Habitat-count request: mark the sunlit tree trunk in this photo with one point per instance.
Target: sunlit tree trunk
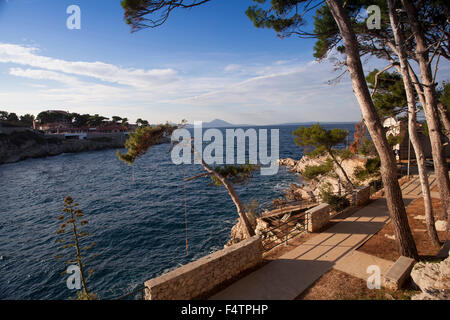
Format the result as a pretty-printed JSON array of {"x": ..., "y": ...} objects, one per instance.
[
  {"x": 405, "y": 241},
  {"x": 335, "y": 160},
  {"x": 234, "y": 196},
  {"x": 412, "y": 125},
  {"x": 430, "y": 109},
  {"x": 445, "y": 119},
  {"x": 232, "y": 193}
]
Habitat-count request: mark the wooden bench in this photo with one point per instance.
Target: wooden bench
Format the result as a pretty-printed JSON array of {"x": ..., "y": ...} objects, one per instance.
[{"x": 398, "y": 273}]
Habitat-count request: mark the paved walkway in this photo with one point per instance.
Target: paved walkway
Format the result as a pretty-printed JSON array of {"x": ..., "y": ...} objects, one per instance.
[
  {"x": 356, "y": 263},
  {"x": 292, "y": 273},
  {"x": 288, "y": 276},
  {"x": 412, "y": 188}
]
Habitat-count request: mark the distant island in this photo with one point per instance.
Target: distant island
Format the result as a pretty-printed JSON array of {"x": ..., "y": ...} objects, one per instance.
[{"x": 219, "y": 123}]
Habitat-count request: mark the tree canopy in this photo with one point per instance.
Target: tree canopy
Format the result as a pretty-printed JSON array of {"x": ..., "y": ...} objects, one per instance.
[
  {"x": 444, "y": 95},
  {"x": 13, "y": 119},
  {"x": 390, "y": 96},
  {"x": 137, "y": 11},
  {"x": 142, "y": 139},
  {"x": 323, "y": 141},
  {"x": 53, "y": 116},
  {"x": 318, "y": 137}
]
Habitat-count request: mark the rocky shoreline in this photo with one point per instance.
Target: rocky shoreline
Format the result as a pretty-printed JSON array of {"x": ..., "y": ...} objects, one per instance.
[
  {"x": 311, "y": 189},
  {"x": 308, "y": 190},
  {"x": 19, "y": 146}
]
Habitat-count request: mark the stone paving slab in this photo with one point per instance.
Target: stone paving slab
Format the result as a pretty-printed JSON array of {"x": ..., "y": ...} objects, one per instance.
[
  {"x": 357, "y": 262},
  {"x": 412, "y": 189},
  {"x": 435, "y": 194}
]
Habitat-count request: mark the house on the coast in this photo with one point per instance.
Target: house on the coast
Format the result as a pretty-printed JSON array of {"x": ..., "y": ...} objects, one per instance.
[{"x": 404, "y": 150}]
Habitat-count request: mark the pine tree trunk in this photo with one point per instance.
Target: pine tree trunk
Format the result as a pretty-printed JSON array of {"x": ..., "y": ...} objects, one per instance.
[
  {"x": 234, "y": 196},
  {"x": 330, "y": 152},
  {"x": 412, "y": 125},
  {"x": 405, "y": 241},
  {"x": 445, "y": 119},
  {"x": 430, "y": 109}
]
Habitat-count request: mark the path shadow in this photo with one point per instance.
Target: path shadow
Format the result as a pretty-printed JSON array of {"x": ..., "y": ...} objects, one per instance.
[{"x": 281, "y": 279}]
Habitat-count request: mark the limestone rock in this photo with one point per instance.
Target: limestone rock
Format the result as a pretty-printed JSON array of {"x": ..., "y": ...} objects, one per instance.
[
  {"x": 238, "y": 230},
  {"x": 441, "y": 225},
  {"x": 433, "y": 279},
  {"x": 427, "y": 296},
  {"x": 237, "y": 234},
  {"x": 261, "y": 226},
  {"x": 312, "y": 189},
  {"x": 391, "y": 237}
]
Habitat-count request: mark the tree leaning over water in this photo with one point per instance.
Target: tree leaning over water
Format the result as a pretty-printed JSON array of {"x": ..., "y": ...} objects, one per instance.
[{"x": 145, "y": 137}]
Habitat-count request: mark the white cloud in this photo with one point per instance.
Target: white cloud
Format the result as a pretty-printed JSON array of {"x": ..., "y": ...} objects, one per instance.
[
  {"x": 11, "y": 53},
  {"x": 274, "y": 92},
  {"x": 232, "y": 67},
  {"x": 42, "y": 75}
]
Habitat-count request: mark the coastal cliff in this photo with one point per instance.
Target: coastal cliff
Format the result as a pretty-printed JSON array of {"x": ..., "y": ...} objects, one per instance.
[
  {"x": 354, "y": 166},
  {"x": 19, "y": 146}
]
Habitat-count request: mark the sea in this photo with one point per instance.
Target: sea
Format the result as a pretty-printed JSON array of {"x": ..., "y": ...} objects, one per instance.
[{"x": 140, "y": 228}]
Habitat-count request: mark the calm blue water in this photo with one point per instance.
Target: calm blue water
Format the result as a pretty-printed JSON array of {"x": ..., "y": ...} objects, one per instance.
[{"x": 139, "y": 228}]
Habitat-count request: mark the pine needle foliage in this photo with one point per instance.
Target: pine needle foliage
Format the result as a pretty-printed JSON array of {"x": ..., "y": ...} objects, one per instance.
[
  {"x": 317, "y": 136},
  {"x": 323, "y": 141},
  {"x": 142, "y": 139},
  {"x": 237, "y": 174}
]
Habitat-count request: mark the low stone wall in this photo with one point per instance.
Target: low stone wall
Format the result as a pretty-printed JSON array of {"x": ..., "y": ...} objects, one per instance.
[
  {"x": 318, "y": 217},
  {"x": 199, "y": 277},
  {"x": 361, "y": 196}
]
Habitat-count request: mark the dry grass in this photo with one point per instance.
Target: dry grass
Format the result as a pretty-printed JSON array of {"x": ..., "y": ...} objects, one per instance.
[
  {"x": 382, "y": 246},
  {"x": 337, "y": 285}
]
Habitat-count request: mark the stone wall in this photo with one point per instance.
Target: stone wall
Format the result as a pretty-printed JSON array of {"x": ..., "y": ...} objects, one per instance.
[
  {"x": 318, "y": 217},
  {"x": 201, "y": 276},
  {"x": 361, "y": 196}
]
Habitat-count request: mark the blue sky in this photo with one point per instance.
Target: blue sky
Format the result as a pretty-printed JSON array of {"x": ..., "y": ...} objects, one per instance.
[{"x": 205, "y": 63}]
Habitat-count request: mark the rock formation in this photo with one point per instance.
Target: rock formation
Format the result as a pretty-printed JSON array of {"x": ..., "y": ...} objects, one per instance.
[
  {"x": 23, "y": 145},
  {"x": 311, "y": 188},
  {"x": 433, "y": 279}
]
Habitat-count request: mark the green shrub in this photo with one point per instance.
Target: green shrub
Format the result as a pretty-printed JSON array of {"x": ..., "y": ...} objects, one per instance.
[
  {"x": 394, "y": 140},
  {"x": 360, "y": 173},
  {"x": 373, "y": 165},
  {"x": 372, "y": 168},
  {"x": 336, "y": 202},
  {"x": 311, "y": 172},
  {"x": 367, "y": 148}
]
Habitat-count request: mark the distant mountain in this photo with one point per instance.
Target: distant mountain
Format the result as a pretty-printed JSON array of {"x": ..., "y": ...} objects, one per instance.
[{"x": 218, "y": 123}]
